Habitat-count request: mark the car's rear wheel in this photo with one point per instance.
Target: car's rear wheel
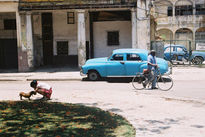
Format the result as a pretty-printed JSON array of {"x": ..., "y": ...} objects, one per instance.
[
  {"x": 93, "y": 75},
  {"x": 197, "y": 60}
]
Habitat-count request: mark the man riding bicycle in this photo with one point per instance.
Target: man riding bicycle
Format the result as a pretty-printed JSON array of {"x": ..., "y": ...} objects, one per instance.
[{"x": 152, "y": 70}]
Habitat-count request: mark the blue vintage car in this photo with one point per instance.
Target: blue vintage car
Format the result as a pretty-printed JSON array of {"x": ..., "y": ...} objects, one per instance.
[
  {"x": 180, "y": 53},
  {"x": 122, "y": 62}
]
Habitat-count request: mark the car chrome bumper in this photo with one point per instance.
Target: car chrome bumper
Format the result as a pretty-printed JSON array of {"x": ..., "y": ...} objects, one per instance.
[
  {"x": 169, "y": 71},
  {"x": 81, "y": 72}
]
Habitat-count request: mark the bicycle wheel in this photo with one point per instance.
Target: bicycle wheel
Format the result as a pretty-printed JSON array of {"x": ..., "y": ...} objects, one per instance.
[
  {"x": 137, "y": 82},
  {"x": 165, "y": 82}
]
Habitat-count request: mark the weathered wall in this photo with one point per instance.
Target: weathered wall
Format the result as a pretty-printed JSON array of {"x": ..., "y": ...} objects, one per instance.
[
  {"x": 174, "y": 23},
  {"x": 100, "y": 36},
  {"x": 37, "y": 39},
  {"x": 143, "y": 24},
  {"x": 8, "y": 6},
  {"x": 7, "y": 33},
  {"x": 63, "y": 31},
  {"x": 68, "y": 32}
]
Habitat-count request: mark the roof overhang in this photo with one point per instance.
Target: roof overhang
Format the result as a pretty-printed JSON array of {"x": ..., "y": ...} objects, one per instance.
[{"x": 26, "y": 5}]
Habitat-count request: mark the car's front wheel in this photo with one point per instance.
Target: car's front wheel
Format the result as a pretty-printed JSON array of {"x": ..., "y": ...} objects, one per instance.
[
  {"x": 197, "y": 60},
  {"x": 93, "y": 75}
]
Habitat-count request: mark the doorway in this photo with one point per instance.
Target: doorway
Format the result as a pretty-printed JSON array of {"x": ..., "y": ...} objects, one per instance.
[
  {"x": 47, "y": 38},
  {"x": 8, "y": 54}
]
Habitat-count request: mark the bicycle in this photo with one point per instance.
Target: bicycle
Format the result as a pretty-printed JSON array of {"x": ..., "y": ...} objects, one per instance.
[{"x": 164, "y": 82}]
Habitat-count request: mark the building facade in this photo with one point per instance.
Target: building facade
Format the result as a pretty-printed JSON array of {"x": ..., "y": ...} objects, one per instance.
[
  {"x": 181, "y": 20},
  {"x": 8, "y": 34},
  {"x": 67, "y": 32}
]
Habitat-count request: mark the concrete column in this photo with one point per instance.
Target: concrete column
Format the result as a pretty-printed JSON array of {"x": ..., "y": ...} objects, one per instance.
[
  {"x": 22, "y": 53},
  {"x": 173, "y": 11},
  {"x": 134, "y": 28},
  {"x": 24, "y": 42},
  {"x": 143, "y": 25},
  {"x": 18, "y": 29},
  {"x": 194, "y": 7},
  {"x": 29, "y": 40},
  {"x": 81, "y": 38}
]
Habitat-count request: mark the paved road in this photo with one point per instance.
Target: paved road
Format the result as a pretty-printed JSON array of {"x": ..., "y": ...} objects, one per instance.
[
  {"x": 177, "y": 113},
  {"x": 152, "y": 113}
]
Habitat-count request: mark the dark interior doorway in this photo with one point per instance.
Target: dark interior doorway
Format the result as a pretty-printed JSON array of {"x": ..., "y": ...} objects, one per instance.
[
  {"x": 8, "y": 54},
  {"x": 47, "y": 36}
]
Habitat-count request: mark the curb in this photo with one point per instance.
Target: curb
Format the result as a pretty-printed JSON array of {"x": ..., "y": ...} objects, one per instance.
[
  {"x": 39, "y": 79},
  {"x": 11, "y": 80}
]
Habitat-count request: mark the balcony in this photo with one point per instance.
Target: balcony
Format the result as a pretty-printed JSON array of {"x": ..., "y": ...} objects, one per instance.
[
  {"x": 74, "y": 4},
  {"x": 181, "y": 21}
]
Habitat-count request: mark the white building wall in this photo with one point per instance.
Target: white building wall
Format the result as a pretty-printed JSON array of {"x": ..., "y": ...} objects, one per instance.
[
  {"x": 64, "y": 32},
  {"x": 67, "y": 32},
  {"x": 100, "y": 29}
]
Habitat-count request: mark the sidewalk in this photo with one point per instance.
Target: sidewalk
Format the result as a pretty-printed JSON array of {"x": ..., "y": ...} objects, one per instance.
[
  {"x": 73, "y": 74},
  {"x": 44, "y": 74}
]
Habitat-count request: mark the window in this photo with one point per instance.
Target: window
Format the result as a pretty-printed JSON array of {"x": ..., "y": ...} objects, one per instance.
[
  {"x": 184, "y": 10},
  {"x": 62, "y": 48},
  {"x": 167, "y": 50},
  {"x": 133, "y": 57},
  {"x": 117, "y": 57},
  {"x": 10, "y": 24},
  {"x": 70, "y": 18},
  {"x": 200, "y": 9},
  {"x": 179, "y": 49},
  {"x": 113, "y": 38},
  {"x": 169, "y": 11}
]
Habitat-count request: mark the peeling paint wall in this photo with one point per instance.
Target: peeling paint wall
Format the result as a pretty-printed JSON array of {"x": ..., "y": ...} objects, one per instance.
[
  {"x": 37, "y": 39},
  {"x": 143, "y": 24},
  {"x": 6, "y": 33},
  {"x": 174, "y": 23},
  {"x": 64, "y": 32},
  {"x": 8, "y": 6}
]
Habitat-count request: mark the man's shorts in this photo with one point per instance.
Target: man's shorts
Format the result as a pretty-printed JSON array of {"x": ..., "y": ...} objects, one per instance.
[{"x": 47, "y": 93}]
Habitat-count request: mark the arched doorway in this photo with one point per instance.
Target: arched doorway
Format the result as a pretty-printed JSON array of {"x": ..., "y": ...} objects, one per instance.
[
  {"x": 184, "y": 36},
  {"x": 183, "y": 7},
  {"x": 200, "y": 34},
  {"x": 163, "y": 8},
  {"x": 165, "y": 34}
]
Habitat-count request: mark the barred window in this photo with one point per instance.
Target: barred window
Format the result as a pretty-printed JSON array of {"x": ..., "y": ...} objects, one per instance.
[
  {"x": 169, "y": 11},
  {"x": 70, "y": 18},
  {"x": 184, "y": 10},
  {"x": 113, "y": 38},
  {"x": 200, "y": 9},
  {"x": 62, "y": 48}
]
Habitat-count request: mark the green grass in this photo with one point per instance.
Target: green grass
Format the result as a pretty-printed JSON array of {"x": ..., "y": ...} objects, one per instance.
[{"x": 36, "y": 119}]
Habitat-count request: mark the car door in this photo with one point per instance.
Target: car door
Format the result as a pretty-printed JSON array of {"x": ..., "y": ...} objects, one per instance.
[
  {"x": 169, "y": 52},
  {"x": 116, "y": 65},
  {"x": 132, "y": 64},
  {"x": 180, "y": 53}
]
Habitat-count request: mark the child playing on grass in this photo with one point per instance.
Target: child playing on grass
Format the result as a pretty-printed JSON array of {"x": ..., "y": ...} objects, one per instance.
[{"x": 42, "y": 88}]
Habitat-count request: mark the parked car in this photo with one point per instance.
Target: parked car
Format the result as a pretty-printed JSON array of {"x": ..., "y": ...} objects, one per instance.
[
  {"x": 122, "y": 63},
  {"x": 180, "y": 53}
]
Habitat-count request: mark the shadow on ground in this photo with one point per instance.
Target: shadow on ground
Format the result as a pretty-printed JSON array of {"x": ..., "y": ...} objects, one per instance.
[
  {"x": 23, "y": 118},
  {"x": 113, "y": 80}
]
